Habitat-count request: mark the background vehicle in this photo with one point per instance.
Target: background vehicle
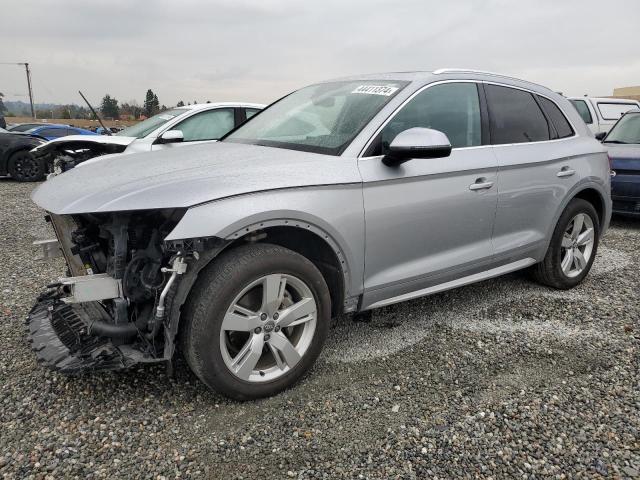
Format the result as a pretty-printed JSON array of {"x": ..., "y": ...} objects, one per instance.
[
  {"x": 623, "y": 145},
  {"x": 23, "y": 127},
  {"x": 51, "y": 132},
  {"x": 601, "y": 113},
  {"x": 16, "y": 159},
  {"x": 343, "y": 196},
  {"x": 186, "y": 125}
]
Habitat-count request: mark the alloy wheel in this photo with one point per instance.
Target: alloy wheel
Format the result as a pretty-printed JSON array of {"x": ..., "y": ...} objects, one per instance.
[
  {"x": 577, "y": 245},
  {"x": 268, "y": 328}
]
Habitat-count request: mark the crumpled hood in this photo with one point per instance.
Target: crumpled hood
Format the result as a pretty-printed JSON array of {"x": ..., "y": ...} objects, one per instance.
[
  {"x": 186, "y": 176},
  {"x": 75, "y": 139}
]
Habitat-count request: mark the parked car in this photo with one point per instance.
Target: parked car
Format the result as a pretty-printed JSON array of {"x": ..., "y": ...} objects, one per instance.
[
  {"x": 23, "y": 127},
  {"x": 186, "y": 125},
  {"x": 601, "y": 113},
  {"x": 51, "y": 132},
  {"x": 343, "y": 196},
  {"x": 16, "y": 159},
  {"x": 623, "y": 145}
]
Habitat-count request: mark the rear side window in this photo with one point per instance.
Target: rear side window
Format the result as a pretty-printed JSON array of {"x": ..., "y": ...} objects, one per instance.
[
  {"x": 559, "y": 121},
  {"x": 583, "y": 110},
  {"x": 613, "y": 111},
  {"x": 515, "y": 116}
]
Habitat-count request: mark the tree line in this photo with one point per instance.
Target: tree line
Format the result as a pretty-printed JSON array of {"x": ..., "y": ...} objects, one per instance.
[{"x": 109, "y": 107}]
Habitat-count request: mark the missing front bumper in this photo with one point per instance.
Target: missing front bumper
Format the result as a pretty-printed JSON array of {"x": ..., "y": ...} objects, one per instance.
[{"x": 58, "y": 335}]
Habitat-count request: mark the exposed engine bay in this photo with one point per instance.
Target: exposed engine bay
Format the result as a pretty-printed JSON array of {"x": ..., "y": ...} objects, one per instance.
[
  {"x": 114, "y": 307},
  {"x": 58, "y": 157}
]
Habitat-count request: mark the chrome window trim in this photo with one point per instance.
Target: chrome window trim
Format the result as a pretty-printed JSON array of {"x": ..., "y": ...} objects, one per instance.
[{"x": 486, "y": 82}]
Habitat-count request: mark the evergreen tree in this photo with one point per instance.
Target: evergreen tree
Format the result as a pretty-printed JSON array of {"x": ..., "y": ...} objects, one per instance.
[
  {"x": 109, "y": 107},
  {"x": 151, "y": 103}
]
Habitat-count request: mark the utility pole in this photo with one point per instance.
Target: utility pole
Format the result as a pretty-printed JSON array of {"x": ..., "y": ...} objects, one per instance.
[
  {"x": 33, "y": 112},
  {"x": 26, "y": 66}
]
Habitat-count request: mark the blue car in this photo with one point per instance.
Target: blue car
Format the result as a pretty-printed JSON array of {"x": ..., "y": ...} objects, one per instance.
[
  {"x": 623, "y": 145},
  {"x": 56, "y": 131}
]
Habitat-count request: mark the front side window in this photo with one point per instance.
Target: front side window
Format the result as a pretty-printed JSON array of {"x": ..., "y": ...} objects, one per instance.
[
  {"x": 144, "y": 128},
  {"x": 452, "y": 108},
  {"x": 613, "y": 111},
  {"x": 627, "y": 130},
  {"x": 323, "y": 118},
  {"x": 559, "y": 121},
  {"x": 583, "y": 110},
  {"x": 515, "y": 116},
  {"x": 209, "y": 125}
]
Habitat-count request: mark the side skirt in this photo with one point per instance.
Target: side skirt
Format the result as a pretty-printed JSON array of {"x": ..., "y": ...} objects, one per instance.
[{"x": 459, "y": 282}]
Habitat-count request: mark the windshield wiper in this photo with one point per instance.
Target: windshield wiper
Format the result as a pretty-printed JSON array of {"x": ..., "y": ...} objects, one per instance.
[{"x": 616, "y": 141}]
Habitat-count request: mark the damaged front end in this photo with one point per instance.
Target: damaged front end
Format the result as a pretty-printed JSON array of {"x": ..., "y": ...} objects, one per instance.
[
  {"x": 114, "y": 307},
  {"x": 65, "y": 153}
]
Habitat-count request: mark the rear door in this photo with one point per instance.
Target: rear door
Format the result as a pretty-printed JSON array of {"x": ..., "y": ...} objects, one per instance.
[
  {"x": 536, "y": 168},
  {"x": 429, "y": 221}
]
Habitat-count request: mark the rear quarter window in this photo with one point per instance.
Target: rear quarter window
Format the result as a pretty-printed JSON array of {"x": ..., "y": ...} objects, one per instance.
[{"x": 559, "y": 121}]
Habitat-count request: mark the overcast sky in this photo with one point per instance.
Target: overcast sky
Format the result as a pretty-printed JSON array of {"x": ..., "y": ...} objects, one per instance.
[{"x": 259, "y": 50}]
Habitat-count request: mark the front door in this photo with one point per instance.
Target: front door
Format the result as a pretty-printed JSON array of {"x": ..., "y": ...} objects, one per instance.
[{"x": 429, "y": 221}]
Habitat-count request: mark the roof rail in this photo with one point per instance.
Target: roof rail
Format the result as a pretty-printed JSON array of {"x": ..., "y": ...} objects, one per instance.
[{"x": 481, "y": 72}]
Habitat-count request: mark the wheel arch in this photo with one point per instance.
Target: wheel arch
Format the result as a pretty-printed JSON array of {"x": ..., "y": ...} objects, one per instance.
[
  {"x": 308, "y": 240},
  {"x": 593, "y": 193}
]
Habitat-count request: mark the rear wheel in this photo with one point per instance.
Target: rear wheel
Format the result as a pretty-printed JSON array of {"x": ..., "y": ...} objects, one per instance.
[
  {"x": 573, "y": 247},
  {"x": 24, "y": 167},
  {"x": 256, "y": 321}
]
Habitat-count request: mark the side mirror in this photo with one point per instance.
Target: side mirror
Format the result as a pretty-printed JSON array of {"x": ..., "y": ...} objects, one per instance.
[
  {"x": 171, "y": 136},
  {"x": 417, "y": 143},
  {"x": 600, "y": 136}
]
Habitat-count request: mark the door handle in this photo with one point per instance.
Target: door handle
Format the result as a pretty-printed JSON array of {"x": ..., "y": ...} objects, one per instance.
[
  {"x": 481, "y": 184},
  {"x": 565, "y": 172}
]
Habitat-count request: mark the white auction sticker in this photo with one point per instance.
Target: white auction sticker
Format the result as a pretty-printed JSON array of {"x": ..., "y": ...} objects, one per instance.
[{"x": 376, "y": 90}]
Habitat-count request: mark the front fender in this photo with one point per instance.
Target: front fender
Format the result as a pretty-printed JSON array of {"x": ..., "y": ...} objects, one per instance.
[{"x": 334, "y": 213}]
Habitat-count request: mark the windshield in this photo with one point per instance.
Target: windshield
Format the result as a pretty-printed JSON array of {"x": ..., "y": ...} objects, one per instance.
[
  {"x": 144, "y": 128},
  {"x": 322, "y": 118},
  {"x": 627, "y": 130}
]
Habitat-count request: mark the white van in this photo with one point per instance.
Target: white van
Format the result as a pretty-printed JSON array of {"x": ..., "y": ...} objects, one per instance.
[{"x": 601, "y": 113}]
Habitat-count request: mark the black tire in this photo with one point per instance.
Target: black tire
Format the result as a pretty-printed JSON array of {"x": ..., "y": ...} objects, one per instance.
[
  {"x": 215, "y": 290},
  {"x": 549, "y": 271},
  {"x": 24, "y": 167}
]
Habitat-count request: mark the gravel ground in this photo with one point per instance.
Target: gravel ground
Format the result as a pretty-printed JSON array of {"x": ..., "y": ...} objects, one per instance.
[{"x": 500, "y": 379}]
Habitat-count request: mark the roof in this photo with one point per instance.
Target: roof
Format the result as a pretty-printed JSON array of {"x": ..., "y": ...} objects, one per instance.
[
  {"x": 424, "y": 77},
  {"x": 206, "y": 106}
]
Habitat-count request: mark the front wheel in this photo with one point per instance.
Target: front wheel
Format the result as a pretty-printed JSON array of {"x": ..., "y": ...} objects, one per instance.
[
  {"x": 573, "y": 247},
  {"x": 24, "y": 167},
  {"x": 256, "y": 321}
]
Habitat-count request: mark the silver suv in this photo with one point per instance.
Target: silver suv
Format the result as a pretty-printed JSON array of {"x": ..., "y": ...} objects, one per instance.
[{"x": 343, "y": 196}]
